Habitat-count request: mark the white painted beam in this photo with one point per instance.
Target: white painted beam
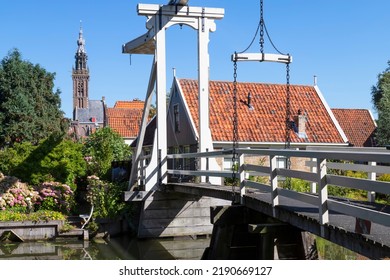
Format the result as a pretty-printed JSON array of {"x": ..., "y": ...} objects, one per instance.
[
  {"x": 144, "y": 44},
  {"x": 142, "y": 129},
  {"x": 180, "y": 11},
  {"x": 261, "y": 57}
]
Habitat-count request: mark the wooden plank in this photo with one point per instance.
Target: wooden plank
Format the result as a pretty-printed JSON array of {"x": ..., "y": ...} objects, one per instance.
[
  {"x": 354, "y": 167},
  {"x": 354, "y": 156},
  {"x": 180, "y": 11},
  {"x": 349, "y": 149},
  {"x": 259, "y": 186},
  {"x": 307, "y": 176},
  {"x": 221, "y": 153},
  {"x": 303, "y": 197},
  {"x": 257, "y": 168},
  {"x": 359, "y": 212},
  {"x": 212, "y": 173},
  {"x": 361, "y": 184}
]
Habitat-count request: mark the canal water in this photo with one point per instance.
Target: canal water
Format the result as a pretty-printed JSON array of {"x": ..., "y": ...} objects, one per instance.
[
  {"x": 118, "y": 248},
  {"x": 128, "y": 248}
]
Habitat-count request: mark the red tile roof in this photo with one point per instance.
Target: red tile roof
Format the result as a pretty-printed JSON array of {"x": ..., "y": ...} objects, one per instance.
[
  {"x": 135, "y": 104},
  {"x": 266, "y": 122},
  {"x": 125, "y": 121},
  {"x": 358, "y": 125}
]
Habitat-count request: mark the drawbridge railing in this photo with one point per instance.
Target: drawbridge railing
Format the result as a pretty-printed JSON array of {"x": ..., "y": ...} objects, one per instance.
[{"x": 320, "y": 168}]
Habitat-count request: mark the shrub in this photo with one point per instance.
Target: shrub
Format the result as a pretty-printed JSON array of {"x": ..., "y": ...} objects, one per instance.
[
  {"x": 43, "y": 215},
  {"x": 55, "y": 196},
  {"x": 15, "y": 194},
  {"x": 105, "y": 197},
  {"x": 54, "y": 159},
  {"x": 101, "y": 149}
]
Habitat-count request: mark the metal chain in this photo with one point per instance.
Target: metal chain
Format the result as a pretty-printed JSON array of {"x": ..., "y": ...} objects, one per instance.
[
  {"x": 288, "y": 123},
  {"x": 288, "y": 109},
  {"x": 261, "y": 26},
  {"x": 235, "y": 131}
]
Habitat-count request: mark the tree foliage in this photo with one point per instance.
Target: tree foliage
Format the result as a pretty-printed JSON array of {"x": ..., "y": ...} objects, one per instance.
[
  {"x": 103, "y": 147},
  {"x": 29, "y": 109},
  {"x": 381, "y": 99},
  {"x": 54, "y": 159}
]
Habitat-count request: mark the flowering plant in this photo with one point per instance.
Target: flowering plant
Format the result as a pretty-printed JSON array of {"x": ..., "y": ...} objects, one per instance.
[
  {"x": 14, "y": 193},
  {"x": 55, "y": 196}
]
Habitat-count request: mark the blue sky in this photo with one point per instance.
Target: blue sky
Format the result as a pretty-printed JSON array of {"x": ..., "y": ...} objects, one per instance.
[{"x": 346, "y": 44}]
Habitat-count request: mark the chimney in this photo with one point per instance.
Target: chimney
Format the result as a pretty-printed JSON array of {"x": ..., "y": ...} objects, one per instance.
[
  {"x": 315, "y": 80},
  {"x": 301, "y": 121},
  {"x": 249, "y": 101}
]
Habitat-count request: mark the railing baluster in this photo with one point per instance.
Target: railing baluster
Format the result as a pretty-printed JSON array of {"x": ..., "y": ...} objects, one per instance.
[
  {"x": 322, "y": 191},
  {"x": 371, "y": 176},
  {"x": 313, "y": 185},
  {"x": 241, "y": 176},
  {"x": 274, "y": 180}
]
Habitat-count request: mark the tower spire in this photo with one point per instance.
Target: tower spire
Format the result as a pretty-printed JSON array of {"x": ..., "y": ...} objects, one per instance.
[
  {"x": 81, "y": 41},
  {"x": 81, "y": 54},
  {"x": 80, "y": 74}
]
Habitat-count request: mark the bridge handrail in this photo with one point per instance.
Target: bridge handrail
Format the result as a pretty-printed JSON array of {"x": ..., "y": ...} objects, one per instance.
[
  {"x": 318, "y": 175},
  {"x": 379, "y": 156}
]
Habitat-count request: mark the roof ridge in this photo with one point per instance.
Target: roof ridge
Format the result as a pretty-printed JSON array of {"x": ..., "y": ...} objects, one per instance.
[{"x": 245, "y": 82}]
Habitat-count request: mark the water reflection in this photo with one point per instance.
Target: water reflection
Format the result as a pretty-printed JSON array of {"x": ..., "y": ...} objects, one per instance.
[{"x": 119, "y": 248}]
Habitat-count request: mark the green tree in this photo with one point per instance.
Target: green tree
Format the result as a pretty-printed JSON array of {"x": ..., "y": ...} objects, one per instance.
[
  {"x": 29, "y": 109},
  {"x": 381, "y": 99},
  {"x": 103, "y": 147},
  {"x": 53, "y": 159}
]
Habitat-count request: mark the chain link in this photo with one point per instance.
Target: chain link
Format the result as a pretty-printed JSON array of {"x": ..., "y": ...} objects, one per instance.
[
  {"x": 288, "y": 122},
  {"x": 288, "y": 108},
  {"x": 235, "y": 132},
  {"x": 261, "y": 27}
]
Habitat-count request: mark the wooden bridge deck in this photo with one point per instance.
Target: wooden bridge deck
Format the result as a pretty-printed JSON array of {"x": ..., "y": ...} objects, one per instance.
[{"x": 341, "y": 228}]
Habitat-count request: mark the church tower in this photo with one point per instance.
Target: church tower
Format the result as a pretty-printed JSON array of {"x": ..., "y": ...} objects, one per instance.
[{"x": 80, "y": 75}]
